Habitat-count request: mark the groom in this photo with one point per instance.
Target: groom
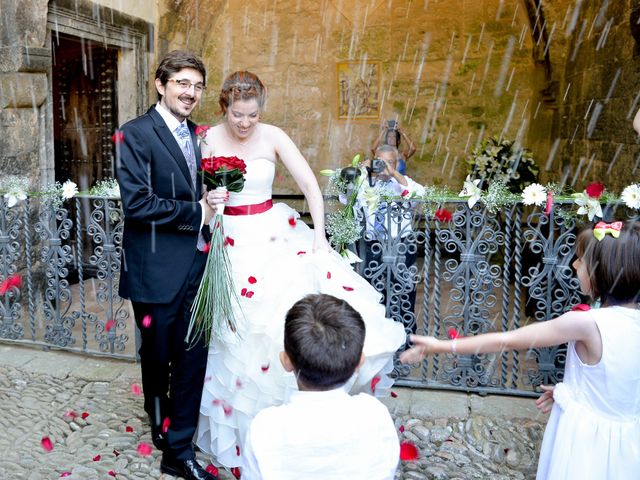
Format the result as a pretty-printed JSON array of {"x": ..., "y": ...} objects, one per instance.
[{"x": 162, "y": 261}]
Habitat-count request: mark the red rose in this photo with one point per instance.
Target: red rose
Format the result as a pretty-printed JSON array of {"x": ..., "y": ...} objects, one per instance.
[
  {"x": 595, "y": 189},
  {"x": 201, "y": 130},
  {"x": 443, "y": 215}
]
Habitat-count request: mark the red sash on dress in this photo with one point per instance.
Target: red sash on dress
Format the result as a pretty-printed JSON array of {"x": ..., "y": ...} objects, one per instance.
[{"x": 248, "y": 209}]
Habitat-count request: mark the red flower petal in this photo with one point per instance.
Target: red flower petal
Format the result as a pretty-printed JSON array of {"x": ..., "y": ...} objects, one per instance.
[
  {"x": 581, "y": 307},
  {"x": 252, "y": 280},
  {"x": 71, "y": 414},
  {"x": 144, "y": 449},
  {"x": 443, "y": 215},
  {"x": 128, "y": 429},
  {"x": 229, "y": 241},
  {"x": 292, "y": 221},
  {"x": 207, "y": 247},
  {"x": 249, "y": 294},
  {"x": 135, "y": 389},
  {"x": 301, "y": 252},
  {"x": 46, "y": 444},
  {"x": 117, "y": 137},
  {"x": 265, "y": 368},
  {"x": 328, "y": 275},
  {"x": 549, "y": 205},
  {"x": 227, "y": 409},
  {"x": 237, "y": 450},
  {"x": 348, "y": 289},
  {"x": 238, "y": 383},
  {"x": 116, "y": 453},
  {"x": 408, "y": 451},
  {"x": 243, "y": 292},
  {"x": 405, "y": 193},
  {"x": 109, "y": 325},
  {"x": 97, "y": 458},
  {"x": 14, "y": 280},
  {"x": 84, "y": 415},
  {"x": 111, "y": 473},
  {"x": 453, "y": 333},
  {"x": 374, "y": 382},
  {"x": 65, "y": 474},
  {"x": 401, "y": 429},
  {"x": 165, "y": 425},
  {"x": 146, "y": 321},
  {"x": 212, "y": 470},
  {"x": 236, "y": 472},
  {"x": 595, "y": 189},
  {"x": 393, "y": 394}
]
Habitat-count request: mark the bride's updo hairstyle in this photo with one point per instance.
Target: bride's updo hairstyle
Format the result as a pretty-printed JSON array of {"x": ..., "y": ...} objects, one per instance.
[{"x": 241, "y": 86}]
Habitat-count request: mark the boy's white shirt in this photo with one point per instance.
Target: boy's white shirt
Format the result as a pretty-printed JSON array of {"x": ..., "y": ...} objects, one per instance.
[{"x": 322, "y": 435}]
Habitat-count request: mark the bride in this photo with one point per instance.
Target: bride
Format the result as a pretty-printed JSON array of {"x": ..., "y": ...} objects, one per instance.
[{"x": 276, "y": 260}]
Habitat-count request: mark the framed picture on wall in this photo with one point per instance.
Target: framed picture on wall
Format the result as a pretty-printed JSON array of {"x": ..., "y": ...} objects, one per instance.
[{"x": 358, "y": 87}]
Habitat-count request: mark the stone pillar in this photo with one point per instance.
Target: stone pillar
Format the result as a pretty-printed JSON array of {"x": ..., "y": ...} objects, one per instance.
[{"x": 25, "y": 60}]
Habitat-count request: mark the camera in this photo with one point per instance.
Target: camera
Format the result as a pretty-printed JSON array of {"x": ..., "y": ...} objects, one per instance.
[
  {"x": 378, "y": 166},
  {"x": 392, "y": 125}
]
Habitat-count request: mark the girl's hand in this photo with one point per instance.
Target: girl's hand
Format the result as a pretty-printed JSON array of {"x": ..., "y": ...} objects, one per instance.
[
  {"x": 422, "y": 346},
  {"x": 545, "y": 401}
]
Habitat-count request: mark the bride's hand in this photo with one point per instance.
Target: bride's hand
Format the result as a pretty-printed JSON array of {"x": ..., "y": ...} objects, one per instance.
[
  {"x": 320, "y": 244},
  {"x": 217, "y": 198}
]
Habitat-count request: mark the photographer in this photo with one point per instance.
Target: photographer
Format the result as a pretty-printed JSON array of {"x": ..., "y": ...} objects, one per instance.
[
  {"x": 391, "y": 134},
  {"x": 389, "y": 237}
]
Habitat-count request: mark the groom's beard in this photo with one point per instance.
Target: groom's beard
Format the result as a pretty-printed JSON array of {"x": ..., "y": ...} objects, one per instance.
[{"x": 183, "y": 107}]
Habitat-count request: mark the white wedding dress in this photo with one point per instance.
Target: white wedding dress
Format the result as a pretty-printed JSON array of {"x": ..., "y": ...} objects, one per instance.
[{"x": 274, "y": 266}]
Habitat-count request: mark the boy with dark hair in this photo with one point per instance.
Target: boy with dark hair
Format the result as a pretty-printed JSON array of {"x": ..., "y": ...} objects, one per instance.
[{"x": 322, "y": 432}]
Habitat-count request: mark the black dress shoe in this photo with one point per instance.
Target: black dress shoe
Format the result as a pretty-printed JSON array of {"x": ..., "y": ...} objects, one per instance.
[{"x": 187, "y": 469}]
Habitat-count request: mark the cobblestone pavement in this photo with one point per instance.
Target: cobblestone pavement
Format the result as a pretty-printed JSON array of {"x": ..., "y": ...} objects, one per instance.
[{"x": 95, "y": 423}]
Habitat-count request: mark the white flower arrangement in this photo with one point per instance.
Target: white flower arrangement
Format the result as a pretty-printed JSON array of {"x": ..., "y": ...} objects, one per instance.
[
  {"x": 69, "y": 190},
  {"x": 14, "y": 188},
  {"x": 471, "y": 190}
]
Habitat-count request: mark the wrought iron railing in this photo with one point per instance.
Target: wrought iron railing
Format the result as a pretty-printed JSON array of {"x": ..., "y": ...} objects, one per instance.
[{"x": 480, "y": 272}]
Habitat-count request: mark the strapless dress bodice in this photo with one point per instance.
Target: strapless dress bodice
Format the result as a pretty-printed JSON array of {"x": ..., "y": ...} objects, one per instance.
[{"x": 258, "y": 183}]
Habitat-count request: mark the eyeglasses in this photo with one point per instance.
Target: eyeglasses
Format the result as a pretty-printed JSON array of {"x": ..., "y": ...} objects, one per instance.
[{"x": 185, "y": 84}]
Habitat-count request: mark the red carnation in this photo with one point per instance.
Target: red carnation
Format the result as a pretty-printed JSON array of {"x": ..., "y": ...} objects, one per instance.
[
  {"x": 443, "y": 215},
  {"x": 595, "y": 190}
]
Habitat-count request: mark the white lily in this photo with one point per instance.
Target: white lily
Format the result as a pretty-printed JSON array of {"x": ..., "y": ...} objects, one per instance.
[
  {"x": 631, "y": 196},
  {"x": 69, "y": 190},
  {"x": 471, "y": 190},
  {"x": 13, "y": 196},
  {"x": 371, "y": 198},
  {"x": 534, "y": 194},
  {"x": 588, "y": 206}
]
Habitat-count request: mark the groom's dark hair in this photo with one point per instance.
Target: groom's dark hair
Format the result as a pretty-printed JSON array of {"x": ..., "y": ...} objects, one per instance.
[
  {"x": 175, "y": 61},
  {"x": 323, "y": 338}
]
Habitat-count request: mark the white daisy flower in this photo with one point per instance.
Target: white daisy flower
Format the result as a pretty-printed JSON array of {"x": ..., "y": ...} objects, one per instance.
[
  {"x": 631, "y": 196},
  {"x": 534, "y": 194},
  {"x": 69, "y": 190}
]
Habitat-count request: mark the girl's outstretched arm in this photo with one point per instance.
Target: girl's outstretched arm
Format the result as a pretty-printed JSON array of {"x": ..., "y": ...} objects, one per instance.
[{"x": 572, "y": 326}]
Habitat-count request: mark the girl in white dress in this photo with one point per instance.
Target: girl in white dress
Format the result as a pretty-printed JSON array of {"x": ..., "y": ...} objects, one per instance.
[
  {"x": 276, "y": 260},
  {"x": 593, "y": 432}
]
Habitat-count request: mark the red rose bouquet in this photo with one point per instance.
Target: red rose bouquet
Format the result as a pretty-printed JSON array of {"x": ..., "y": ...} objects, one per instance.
[{"x": 212, "y": 309}]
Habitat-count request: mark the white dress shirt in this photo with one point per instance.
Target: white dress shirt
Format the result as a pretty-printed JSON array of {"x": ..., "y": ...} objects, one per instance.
[{"x": 328, "y": 435}]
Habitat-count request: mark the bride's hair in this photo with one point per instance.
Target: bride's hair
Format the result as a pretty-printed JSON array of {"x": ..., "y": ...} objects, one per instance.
[{"x": 241, "y": 86}]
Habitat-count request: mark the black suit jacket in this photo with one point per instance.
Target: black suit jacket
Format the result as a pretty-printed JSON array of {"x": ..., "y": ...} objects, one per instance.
[{"x": 162, "y": 214}]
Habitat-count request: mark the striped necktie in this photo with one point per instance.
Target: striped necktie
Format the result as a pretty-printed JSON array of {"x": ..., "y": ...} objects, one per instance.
[{"x": 185, "y": 145}]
